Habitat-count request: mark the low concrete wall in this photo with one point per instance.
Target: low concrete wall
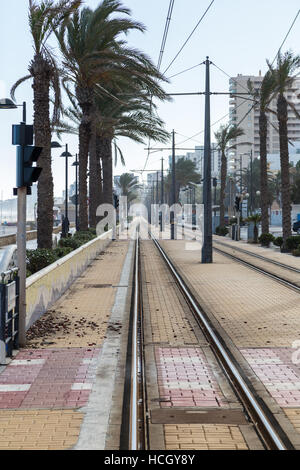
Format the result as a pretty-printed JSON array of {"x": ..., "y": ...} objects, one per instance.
[
  {"x": 8, "y": 240},
  {"x": 11, "y": 239},
  {"x": 49, "y": 284}
]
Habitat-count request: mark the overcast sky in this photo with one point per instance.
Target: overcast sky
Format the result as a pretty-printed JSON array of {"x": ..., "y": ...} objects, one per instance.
[{"x": 237, "y": 35}]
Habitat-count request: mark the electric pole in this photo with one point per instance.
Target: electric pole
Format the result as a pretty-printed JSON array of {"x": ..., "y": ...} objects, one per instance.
[
  {"x": 162, "y": 196},
  {"x": 173, "y": 191},
  {"x": 207, "y": 244}
]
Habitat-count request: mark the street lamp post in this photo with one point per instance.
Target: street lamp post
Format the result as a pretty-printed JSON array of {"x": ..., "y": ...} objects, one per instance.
[
  {"x": 250, "y": 154},
  {"x": 66, "y": 223}
]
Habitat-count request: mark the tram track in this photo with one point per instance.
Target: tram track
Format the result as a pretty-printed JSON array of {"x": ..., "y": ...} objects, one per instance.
[
  {"x": 266, "y": 272},
  {"x": 135, "y": 411},
  {"x": 256, "y": 255},
  {"x": 267, "y": 426},
  {"x": 251, "y": 265}
]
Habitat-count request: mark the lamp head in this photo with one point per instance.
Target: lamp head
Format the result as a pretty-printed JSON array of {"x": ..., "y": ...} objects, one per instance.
[
  {"x": 66, "y": 154},
  {"x": 6, "y": 103},
  {"x": 55, "y": 145}
]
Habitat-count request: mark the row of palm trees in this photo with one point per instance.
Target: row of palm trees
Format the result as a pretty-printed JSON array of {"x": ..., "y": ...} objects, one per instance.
[
  {"x": 110, "y": 89},
  {"x": 276, "y": 82}
]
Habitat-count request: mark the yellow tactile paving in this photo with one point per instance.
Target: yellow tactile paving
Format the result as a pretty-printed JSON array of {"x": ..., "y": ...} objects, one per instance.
[
  {"x": 254, "y": 310},
  {"x": 204, "y": 437},
  {"x": 294, "y": 416},
  {"x": 39, "y": 430},
  {"x": 168, "y": 311},
  {"x": 80, "y": 318}
]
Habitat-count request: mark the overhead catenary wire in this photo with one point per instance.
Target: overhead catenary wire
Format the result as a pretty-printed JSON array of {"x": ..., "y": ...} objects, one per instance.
[
  {"x": 189, "y": 37},
  {"x": 186, "y": 70},
  {"x": 286, "y": 36},
  {"x": 219, "y": 68},
  {"x": 162, "y": 50},
  {"x": 165, "y": 35}
]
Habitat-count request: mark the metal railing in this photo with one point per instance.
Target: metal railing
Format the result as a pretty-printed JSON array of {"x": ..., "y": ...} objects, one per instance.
[{"x": 9, "y": 314}]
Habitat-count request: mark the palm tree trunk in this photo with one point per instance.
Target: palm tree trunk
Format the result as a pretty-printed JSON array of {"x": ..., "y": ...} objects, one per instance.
[
  {"x": 85, "y": 102},
  {"x": 99, "y": 193},
  {"x": 223, "y": 187},
  {"x": 282, "y": 116},
  {"x": 263, "y": 173},
  {"x": 41, "y": 72},
  {"x": 107, "y": 163},
  {"x": 93, "y": 181}
]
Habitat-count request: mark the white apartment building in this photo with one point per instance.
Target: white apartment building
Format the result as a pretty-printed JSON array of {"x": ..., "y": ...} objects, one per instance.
[
  {"x": 242, "y": 113},
  {"x": 153, "y": 178},
  {"x": 215, "y": 159}
]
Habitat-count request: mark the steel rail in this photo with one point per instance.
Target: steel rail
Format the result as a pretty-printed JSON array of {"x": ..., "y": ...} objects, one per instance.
[
  {"x": 266, "y": 424},
  {"x": 133, "y": 420},
  {"x": 273, "y": 276},
  {"x": 256, "y": 255},
  {"x": 249, "y": 265}
]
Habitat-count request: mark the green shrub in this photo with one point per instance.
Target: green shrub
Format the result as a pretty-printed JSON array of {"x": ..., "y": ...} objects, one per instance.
[
  {"x": 39, "y": 259},
  {"x": 296, "y": 252},
  {"x": 278, "y": 241},
  {"x": 292, "y": 243},
  {"x": 83, "y": 236},
  {"x": 222, "y": 231},
  {"x": 62, "y": 251},
  {"x": 265, "y": 239},
  {"x": 70, "y": 243}
]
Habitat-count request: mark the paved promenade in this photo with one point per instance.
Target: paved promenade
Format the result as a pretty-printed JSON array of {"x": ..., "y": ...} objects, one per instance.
[
  {"x": 47, "y": 393},
  {"x": 260, "y": 320},
  {"x": 263, "y": 258}
]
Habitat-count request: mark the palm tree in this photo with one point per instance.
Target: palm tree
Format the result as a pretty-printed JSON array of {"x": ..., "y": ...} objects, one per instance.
[
  {"x": 44, "y": 18},
  {"x": 112, "y": 120},
  {"x": 284, "y": 75},
  {"x": 134, "y": 119},
  {"x": 224, "y": 136},
  {"x": 95, "y": 60},
  {"x": 186, "y": 172},
  {"x": 128, "y": 185},
  {"x": 263, "y": 96},
  {"x": 255, "y": 218}
]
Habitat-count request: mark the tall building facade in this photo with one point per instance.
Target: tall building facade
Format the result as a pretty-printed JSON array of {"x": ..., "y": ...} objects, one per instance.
[
  {"x": 198, "y": 158},
  {"x": 243, "y": 114}
]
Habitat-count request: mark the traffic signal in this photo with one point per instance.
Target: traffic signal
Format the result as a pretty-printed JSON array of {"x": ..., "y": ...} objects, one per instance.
[
  {"x": 27, "y": 174},
  {"x": 215, "y": 182},
  {"x": 237, "y": 203},
  {"x": 27, "y": 155},
  {"x": 116, "y": 201},
  {"x": 74, "y": 199}
]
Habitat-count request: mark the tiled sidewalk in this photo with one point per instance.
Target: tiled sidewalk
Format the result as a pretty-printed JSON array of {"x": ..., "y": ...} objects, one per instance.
[
  {"x": 44, "y": 390},
  {"x": 273, "y": 254},
  {"x": 186, "y": 379},
  {"x": 234, "y": 248}
]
